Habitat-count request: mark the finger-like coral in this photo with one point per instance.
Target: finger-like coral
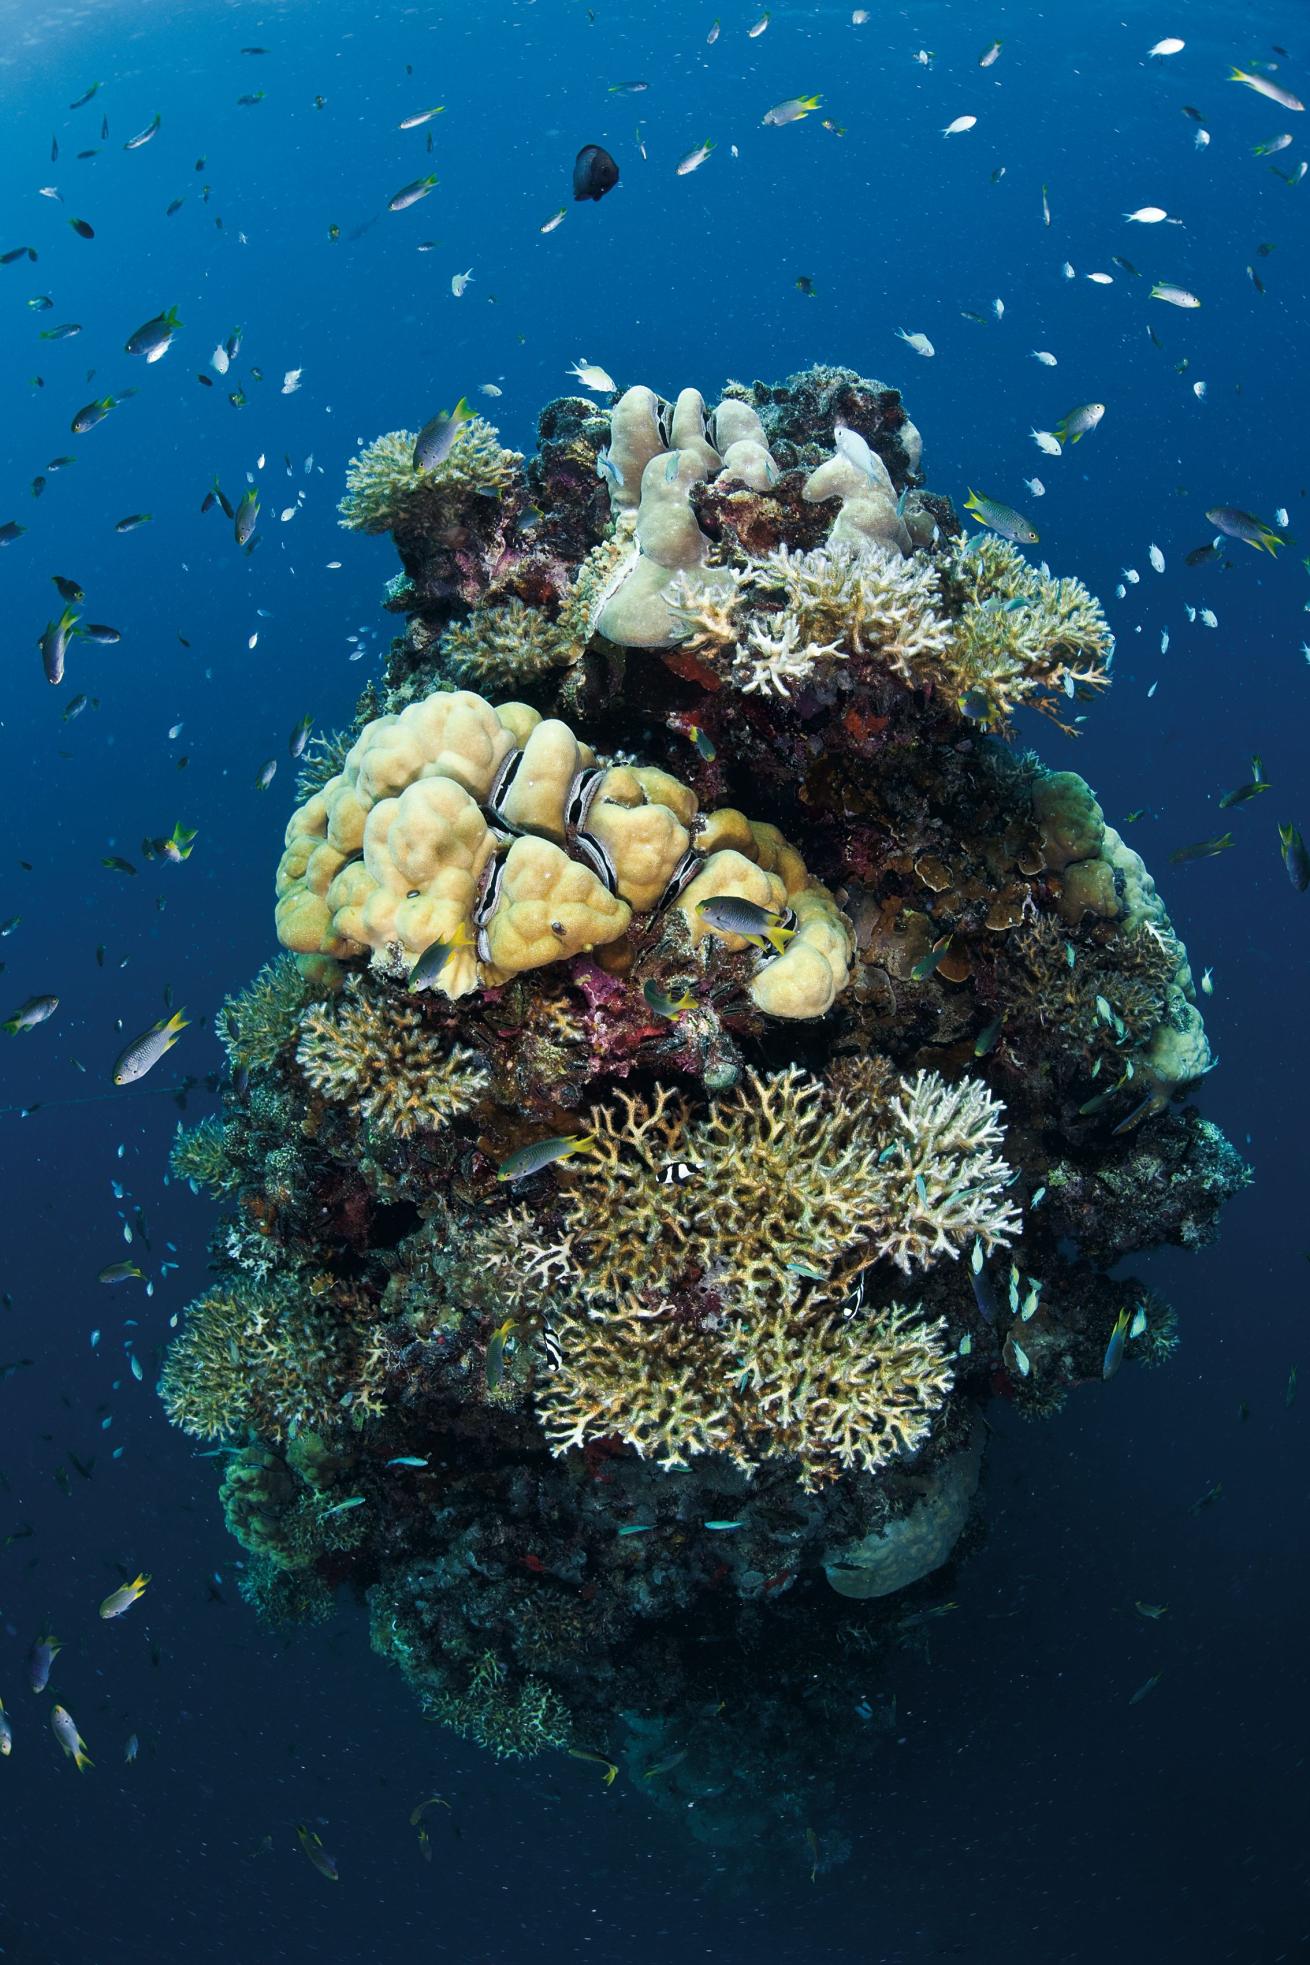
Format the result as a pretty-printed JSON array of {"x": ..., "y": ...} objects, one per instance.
[
  {"x": 795, "y": 1186},
  {"x": 872, "y": 602},
  {"x": 384, "y": 490},
  {"x": 822, "y": 1392},
  {"x": 378, "y": 1056},
  {"x": 773, "y": 660}
]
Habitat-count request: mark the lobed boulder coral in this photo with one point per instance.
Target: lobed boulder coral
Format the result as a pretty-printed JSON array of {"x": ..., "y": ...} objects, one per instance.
[{"x": 643, "y": 1280}]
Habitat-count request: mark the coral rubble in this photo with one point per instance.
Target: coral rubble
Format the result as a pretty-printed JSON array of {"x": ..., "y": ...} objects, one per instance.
[{"x": 790, "y": 1062}]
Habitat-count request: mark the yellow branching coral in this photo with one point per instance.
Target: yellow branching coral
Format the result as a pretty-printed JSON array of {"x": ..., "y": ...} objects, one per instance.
[
  {"x": 384, "y": 490},
  {"x": 199, "y": 1155},
  {"x": 508, "y": 644},
  {"x": 846, "y": 1394},
  {"x": 710, "y": 617},
  {"x": 661, "y": 1387},
  {"x": 795, "y": 1182},
  {"x": 872, "y": 602},
  {"x": 271, "y": 1359},
  {"x": 1022, "y": 636},
  {"x": 832, "y": 1394},
  {"x": 261, "y": 1022},
  {"x": 379, "y": 1056},
  {"x": 720, "y": 1308}
]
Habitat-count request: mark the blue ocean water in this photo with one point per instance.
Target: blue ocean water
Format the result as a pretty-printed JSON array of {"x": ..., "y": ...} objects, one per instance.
[{"x": 1022, "y": 1808}]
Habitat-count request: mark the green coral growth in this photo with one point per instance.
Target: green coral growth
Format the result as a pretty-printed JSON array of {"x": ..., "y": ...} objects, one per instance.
[
  {"x": 272, "y": 1359},
  {"x": 381, "y": 1058},
  {"x": 511, "y": 1723},
  {"x": 260, "y": 1023},
  {"x": 199, "y": 1156},
  {"x": 321, "y": 759},
  {"x": 384, "y": 491},
  {"x": 1023, "y": 637},
  {"x": 507, "y": 645}
]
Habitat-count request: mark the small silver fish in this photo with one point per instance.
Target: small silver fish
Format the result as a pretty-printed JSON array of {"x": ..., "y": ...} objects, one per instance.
[
  {"x": 64, "y": 1728},
  {"x": 733, "y": 915},
  {"x": 436, "y": 439},
  {"x": 145, "y": 1051}
]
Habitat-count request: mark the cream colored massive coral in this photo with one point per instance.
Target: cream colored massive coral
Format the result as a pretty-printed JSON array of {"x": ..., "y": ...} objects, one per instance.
[{"x": 497, "y": 832}]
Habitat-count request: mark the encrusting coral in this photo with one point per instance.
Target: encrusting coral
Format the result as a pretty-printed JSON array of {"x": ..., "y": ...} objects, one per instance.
[{"x": 793, "y": 1068}]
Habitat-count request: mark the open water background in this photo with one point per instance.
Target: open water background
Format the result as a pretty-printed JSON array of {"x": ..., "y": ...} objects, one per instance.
[{"x": 1023, "y": 1810}]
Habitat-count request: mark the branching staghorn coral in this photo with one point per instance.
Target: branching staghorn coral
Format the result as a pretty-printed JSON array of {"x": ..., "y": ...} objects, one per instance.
[
  {"x": 271, "y": 1359},
  {"x": 872, "y": 602},
  {"x": 846, "y": 1393},
  {"x": 384, "y": 490},
  {"x": 379, "y": 1056},
  {"x": 199, "y": 1156},
  {"x": 720, "y": 1308},
  {"x": 261, "y": 1022},
  {"x": 1022, "y": 637},
  {"x": 795, "y": 1182},
  {"x": 506, "y": 645},
  {"x": 944, "y": 1163},
  {"x": 513, "y": 1723},
  {"x": 828, "y": 1393},
  {"x": 712, "y": 617}
]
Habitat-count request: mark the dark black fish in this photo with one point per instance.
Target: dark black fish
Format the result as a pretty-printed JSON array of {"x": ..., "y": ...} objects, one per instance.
[
  {"x": 10, "y": 531},
  {"x": 594, "y": 172},
  {"x": 1199, "y": 554},
  {"x": 82, "y": 229},
  {"x": 15, "y": 252},
  {"x": 68, "y": 589}
]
